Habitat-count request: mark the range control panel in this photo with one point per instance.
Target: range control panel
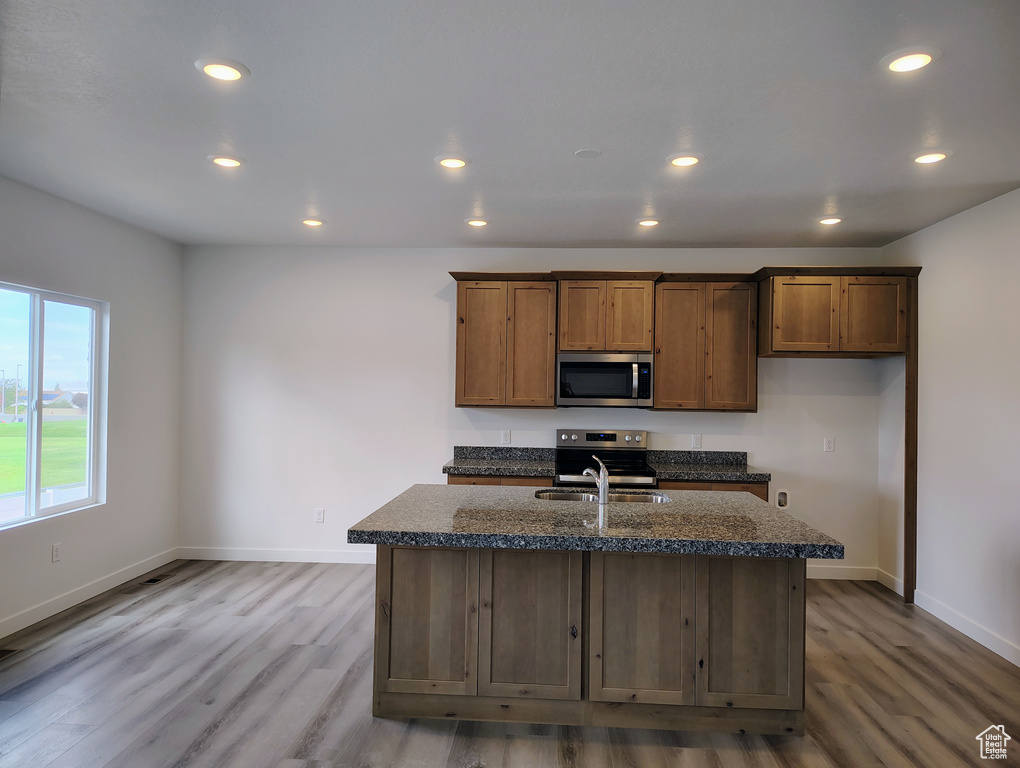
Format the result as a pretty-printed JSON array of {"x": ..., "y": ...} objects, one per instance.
[{"x": 602, "y": 438}]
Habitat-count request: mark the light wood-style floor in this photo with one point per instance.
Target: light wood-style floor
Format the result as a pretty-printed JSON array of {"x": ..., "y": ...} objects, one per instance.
[{"x": 268, "y": 665}]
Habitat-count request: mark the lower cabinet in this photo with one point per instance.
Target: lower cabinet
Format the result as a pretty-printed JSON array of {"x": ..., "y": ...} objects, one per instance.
[
  {"x": 529, "y": 633},
  {"x": 604, "y": 638},
  {"x": 543, "y": 482},
  {"x": 750, "y": 624},
  {"x": 641, "y": 625},
  {"x": 426, "y": 620},
  {"x": 761, "y": 490}
]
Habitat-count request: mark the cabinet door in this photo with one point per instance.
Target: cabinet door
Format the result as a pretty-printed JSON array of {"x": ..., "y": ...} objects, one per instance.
[
  {"x": 544, "y": 482},
  {"x": 761, "y": 490},
  {"x": 750, "y": 643},
  {"x": 629, "y": 315},
  {"x": 642, "y": 628},
  {"x": 731, "y": 355},
  {"x": 873, "y": 314},
  {"x": 531, "y": 344},
  {"x": 683, "y": 485},
  {"x": 481, "y": 343},
  {"x": 473, "y": 480},
  {"x": 679, "y": 345},
  {"x": 582, "y": 315},
  {"x": 426, "y": 620},
  {"x": 529, "y": 636},
  {"x": 805, "y": 314}
]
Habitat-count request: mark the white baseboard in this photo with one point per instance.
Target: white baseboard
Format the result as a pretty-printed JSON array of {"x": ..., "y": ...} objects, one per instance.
[
  {"x": 1007, "y": 649},
  {"x": 278, "y": 555},
  {"x": 890, "y": 581},
  {"x": 852, "y": 572},
  {"x": 36, "y": 613}
]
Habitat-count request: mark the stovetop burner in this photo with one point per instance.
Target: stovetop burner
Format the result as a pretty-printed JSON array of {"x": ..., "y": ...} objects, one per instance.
[{"x": 624, "y": 452}]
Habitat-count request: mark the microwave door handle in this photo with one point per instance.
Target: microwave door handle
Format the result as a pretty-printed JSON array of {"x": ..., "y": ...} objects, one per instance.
[{"x": 634, "y": 390}]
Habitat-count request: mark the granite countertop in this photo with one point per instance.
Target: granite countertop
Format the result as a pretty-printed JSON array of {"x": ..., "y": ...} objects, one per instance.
[
  {"x": 508, "y": 517},
  {"x": 695, "y": 466}
]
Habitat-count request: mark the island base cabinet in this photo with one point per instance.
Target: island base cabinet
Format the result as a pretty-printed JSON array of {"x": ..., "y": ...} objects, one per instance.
[
  {"x": 750, "y": 624},
  {"x": 529, "y": 636},
  {"x": 682, "y": 642},
  {"x": 426, "y": 620}
]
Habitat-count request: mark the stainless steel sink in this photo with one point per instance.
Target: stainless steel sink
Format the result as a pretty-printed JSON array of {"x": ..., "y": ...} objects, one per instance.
[
  {"x": 628, "y": 498},
  {"x": 566, "y": 496}
]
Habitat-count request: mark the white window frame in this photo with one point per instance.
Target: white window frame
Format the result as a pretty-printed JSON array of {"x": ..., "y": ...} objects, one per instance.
[{"x": 95, "y": 468}]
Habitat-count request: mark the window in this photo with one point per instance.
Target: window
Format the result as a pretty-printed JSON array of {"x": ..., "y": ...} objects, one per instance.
[{"x": 49, "y": 421}]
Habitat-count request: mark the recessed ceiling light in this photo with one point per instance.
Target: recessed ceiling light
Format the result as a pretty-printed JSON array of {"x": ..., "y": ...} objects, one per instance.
[
  {"x": 927, "y": 158},
  {"x": 227, "y": 161},
  {"x": 222, "y": 69},
  {"x": 685, "y": 159},
  {"x": 476, "y": 222},
  {"x": 648, "y": 222},
  {"x": 587, "y": 154},
  {"x": 910, "y": 59},
  {"x": 451, "y": 162},
  {"x": 829, "y": 221},
  {"x": 313, "y": 223}
]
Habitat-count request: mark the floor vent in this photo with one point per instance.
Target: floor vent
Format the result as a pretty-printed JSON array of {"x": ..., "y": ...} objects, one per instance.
[
  {"x": 5, "y": 652},
  {"x": 157, "y": 579}
]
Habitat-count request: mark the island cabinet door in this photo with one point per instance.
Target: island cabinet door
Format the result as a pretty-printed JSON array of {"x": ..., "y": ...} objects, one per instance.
[
  {"x": 529, "y": 633},
  {"x": 426, "y": 620},
  {"x": 642, "y": 621},
  {"x": 750, "y": 632}
]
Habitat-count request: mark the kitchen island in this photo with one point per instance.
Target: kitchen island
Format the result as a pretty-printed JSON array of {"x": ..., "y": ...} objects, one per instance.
[{"x": 495, "y": 604}]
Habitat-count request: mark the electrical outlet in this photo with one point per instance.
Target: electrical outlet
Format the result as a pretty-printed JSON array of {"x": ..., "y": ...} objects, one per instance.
[
  {"x": 320, "y": 514},
  {"x": 696, "y": 442},
  {"x": 505, "y": 437},
  {"x": 829, "y": 445},
  {"x": 56, "y": 553}
]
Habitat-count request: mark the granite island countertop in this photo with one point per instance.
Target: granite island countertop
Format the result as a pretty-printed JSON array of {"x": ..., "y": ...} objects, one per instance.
[
  {"x": 694, "y": 466},
  {"x": 508, "y": 517}
]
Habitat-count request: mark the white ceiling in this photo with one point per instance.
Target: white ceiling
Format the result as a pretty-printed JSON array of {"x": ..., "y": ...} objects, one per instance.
[{"x": 349, "y": 102}]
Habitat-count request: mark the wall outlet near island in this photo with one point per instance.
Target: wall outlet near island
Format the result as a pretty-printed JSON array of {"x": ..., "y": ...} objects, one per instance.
[
  {"x": 828, "y": 445},
  {"x": 504, "y": 437},
  {"x": 320, "y": 514},
  {"x": 696, "y": 442}
]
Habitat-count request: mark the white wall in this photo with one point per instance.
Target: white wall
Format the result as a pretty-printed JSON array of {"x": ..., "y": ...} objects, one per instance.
[
  {"x": 968, "y": 558},
  {"x": 324, "y": 378},
  {"x": 55, "y": 245}
]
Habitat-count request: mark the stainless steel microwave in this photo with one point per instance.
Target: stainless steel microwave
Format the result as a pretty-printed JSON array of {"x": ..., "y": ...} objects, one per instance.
[{"x": 602, "y": 379}]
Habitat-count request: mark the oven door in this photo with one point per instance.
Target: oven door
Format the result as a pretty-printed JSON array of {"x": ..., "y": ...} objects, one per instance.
[{"x": 584, "y": 379}]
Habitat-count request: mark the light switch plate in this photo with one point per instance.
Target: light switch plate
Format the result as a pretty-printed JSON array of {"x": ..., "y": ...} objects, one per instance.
[
  {"x": 696, "y": 442},
  {"x": 505, "y": 437}
]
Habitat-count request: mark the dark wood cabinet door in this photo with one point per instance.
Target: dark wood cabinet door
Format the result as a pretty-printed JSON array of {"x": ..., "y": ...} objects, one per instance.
[
  {"x": 761, "y": 490},
  {"x": 679, "y": 345},
  {"x": 629, "y": 314},
  {"x": 805, "y": 314},
  {"x": 426, "y": 620},
  {"x": 731, "y": 354},
  {"x": 642, "y": 646},
  {"x": 530, "y": 631},
  {"x": 750, "y": 646},
  {"x": 873, "y": 314},
  {"x": 481, "y": 343},
  {"x": 531, "y": 344},
  {"x": 582, "y": 315}
]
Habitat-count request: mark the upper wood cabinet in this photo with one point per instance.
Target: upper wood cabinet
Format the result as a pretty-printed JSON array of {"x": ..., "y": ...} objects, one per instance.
[
  {"x": 873, "y": 314},
  {"x": 705, "y": 346},
  {"x": 506, "y": 343},
  {"x": 836, "y": 315},
  {"x": 606, "y": 315}
]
